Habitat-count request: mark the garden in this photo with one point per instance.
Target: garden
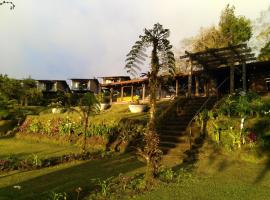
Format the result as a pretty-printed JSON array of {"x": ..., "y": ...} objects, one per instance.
[{"x": 67, "y": 147}]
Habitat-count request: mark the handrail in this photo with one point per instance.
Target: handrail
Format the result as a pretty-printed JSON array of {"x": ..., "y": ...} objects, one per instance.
[{"x": 200, "y": 109}]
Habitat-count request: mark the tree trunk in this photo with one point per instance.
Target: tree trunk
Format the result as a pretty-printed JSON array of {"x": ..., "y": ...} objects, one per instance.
[
  {"x": 153, "y": 82},
  {"x": 85, "y": 130}
]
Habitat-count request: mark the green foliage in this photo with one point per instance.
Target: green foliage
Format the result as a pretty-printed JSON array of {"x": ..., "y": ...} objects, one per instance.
[
  {"x": 157, "y": 39},
  {"x": 235, "y": 29},
  {"x": 231, "y": 30},
  {"x": 101, "y": 130},
  {"x": 166, "y": 175},
  {"x": 35, "y": 160},
  {"x": 58, "y": 196},
  {"x": 105, "y": 185}
]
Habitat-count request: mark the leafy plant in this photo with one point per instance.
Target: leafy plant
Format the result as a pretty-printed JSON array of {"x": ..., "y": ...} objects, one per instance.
[
  {"x": 35, "y": 161},
  {"x": 104, "y": 185},
  {"x": 58, "y": 196},
  {"x": 166, "y": 175}
]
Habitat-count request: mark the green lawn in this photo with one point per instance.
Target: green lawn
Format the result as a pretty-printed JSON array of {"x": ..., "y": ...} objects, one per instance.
[
  {"x": 218, "y": 177},
  {"x": 24, "y": 148},
  {"x": 39, "y": 184}
]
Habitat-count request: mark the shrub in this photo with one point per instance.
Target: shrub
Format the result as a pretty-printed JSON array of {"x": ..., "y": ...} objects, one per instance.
[{"x": 166, "y": 175}]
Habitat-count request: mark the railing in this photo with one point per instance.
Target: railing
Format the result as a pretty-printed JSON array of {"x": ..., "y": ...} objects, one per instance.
[{"x": 199, "y": 110}]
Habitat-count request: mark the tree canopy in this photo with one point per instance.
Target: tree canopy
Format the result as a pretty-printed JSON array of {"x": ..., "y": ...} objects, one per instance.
[{"x": 231, "y": 30}]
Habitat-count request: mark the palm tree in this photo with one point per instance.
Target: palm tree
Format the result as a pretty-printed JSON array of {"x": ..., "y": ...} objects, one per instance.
[
  {"x": 12, "y": 5},
  {"x": 162, "y": 59}
]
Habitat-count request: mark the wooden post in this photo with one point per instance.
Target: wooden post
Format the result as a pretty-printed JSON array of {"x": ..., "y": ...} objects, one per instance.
[
  {"x": 196, "y": 86},
  {"x": 159, "y": 91},
  {"x": 205, "y": 87},
  {"x": 190, "y": 80},
  {"x": 244, "y": 76},
  {"x": 176, "y": 87},
  {"x": 111, "y": 95},
  {"x": 122, "y": 93},
  {"x": 231, "y": 79},
  {"x": 143, "y": 92},
  {"x": 132, "y": 93}
]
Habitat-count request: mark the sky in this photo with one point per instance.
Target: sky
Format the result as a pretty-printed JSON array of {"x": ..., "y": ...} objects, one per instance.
[{"x": 63, "y": 39}]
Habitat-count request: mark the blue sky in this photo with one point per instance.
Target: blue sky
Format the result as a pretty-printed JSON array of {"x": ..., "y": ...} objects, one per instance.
[{"x": 61, "y": 39}]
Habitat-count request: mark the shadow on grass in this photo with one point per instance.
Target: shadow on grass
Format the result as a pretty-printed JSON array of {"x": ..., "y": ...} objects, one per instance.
[
  {"x": 266, "y": 169},
  {"x": 38, "y": 184}
]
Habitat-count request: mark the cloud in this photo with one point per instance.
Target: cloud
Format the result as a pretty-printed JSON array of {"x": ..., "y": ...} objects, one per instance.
[{"x": 85, "y": 38}]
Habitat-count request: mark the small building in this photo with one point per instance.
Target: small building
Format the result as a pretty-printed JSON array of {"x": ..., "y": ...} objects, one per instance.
[
  {"x": 127, "y": 90},
  {"x": 52, "y": 86},
  {"x": 84, "y": 85},
  {"x": 114, "y": 79}
]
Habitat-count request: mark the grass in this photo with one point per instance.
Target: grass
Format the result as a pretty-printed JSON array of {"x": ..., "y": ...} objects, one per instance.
[
  {"x": 218, "y": 177},
  {"x": 113, "y": 115},
  {"x": 24, "y": 148},
  {"x": 38, "y": 184},
  {"x": 6, "y": 125}
]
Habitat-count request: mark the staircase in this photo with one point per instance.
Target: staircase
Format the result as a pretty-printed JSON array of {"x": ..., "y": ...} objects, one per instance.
[{"x": 174, "y": 137}]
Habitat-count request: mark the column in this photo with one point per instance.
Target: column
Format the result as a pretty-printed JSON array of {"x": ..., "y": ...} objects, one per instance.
[
  {"x": 122, "y": 93},
  {"x": 132, "y": 93},
  {"x": 143, "y": 92},
  {"x": 190, "y": 80},
  {"x": 176, "y": 87},
  {"x": 159, "y": 91},
  {"x": 196, "y": 86},
  {"x": 111, "y": 95}
]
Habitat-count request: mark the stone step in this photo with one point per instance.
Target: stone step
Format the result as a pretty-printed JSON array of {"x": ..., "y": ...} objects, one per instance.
[
  {"x": 178, "y": 150},
  {"x": 176, "y": 126},
  {"x": 172, "y": 132},
  {"x": 172, "y": 138},
  {"x": 168, "y": 144}
]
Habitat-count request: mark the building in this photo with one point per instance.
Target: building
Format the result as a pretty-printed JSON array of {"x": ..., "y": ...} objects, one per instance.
[
  {"x": 51, "y": 86},
  {"x": 84, "y": 85},
  {"x": 114, "y": 79}
]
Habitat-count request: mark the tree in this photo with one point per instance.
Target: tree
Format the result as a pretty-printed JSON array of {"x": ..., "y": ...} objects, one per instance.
[
  {"x": 12, "y": 5},
  {"x": 88, "y": 106},
  {"x": 261, "y": 35},
  {"x": 29, "y": 92},
  {"x": 234, "y": 29},
  {"x": 231, "y": 30},
  {"x": 208, "y": 38},
  {"x": 162, "y": 59}
]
